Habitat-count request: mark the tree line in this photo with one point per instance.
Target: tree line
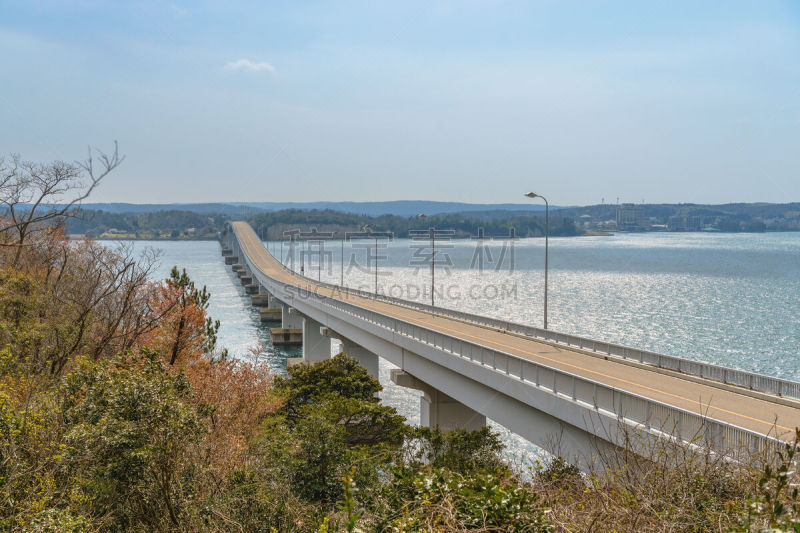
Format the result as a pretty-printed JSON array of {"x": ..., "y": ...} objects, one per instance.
[
  {"x": 177, "y": 224},
  {"x": 273, "y": 225},
  {"x": 172, "y": 224}
]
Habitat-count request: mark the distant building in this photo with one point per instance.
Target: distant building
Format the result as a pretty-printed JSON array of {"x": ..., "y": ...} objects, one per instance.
[
  {"x": 631, "y": 217},
  {"x": 684, "y": 223}
]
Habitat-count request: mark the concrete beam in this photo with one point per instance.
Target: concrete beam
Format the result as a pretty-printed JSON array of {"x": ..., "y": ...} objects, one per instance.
[{"x": 437, "y": 409}]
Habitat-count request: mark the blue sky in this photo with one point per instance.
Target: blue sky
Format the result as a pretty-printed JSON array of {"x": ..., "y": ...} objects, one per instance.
[{"x": 472, "y": 100}]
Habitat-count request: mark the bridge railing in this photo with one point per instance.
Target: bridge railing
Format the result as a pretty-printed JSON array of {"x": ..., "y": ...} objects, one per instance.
[
  {"x": 660, "y": 419},
  {"x": 726, "y": 375}
]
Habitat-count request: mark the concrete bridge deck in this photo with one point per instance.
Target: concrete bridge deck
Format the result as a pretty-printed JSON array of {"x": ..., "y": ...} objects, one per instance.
[{"x": 760, "y": 415}]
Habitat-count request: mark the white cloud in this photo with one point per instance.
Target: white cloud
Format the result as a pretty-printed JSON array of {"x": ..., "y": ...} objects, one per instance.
[{"x": 245, "y": 65}]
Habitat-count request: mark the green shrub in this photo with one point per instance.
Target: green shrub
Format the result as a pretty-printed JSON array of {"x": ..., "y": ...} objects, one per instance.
[
  {"x": 436, "y": 499},
  {"x": 129, "y": 443}
]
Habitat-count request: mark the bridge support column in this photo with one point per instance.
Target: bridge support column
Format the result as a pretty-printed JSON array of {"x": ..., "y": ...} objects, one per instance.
[
  {"x": 438, "y": 409},
  {"x": 273, "y": 302},
  {"x": 268, "y": 297},
  {"x": 316, "y": 346},
  {"x": 364, "y": 357},
  {"x": 290, "y": 318}
]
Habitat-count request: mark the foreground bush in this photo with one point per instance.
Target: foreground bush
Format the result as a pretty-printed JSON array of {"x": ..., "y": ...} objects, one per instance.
[{"x": 130, "y": 443}]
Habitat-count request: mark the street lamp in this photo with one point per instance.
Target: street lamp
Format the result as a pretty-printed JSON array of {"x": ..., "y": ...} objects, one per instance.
[
  {"x": 546, "y": 242},
  {"x": 433, "y": 259},
  {"x": 368, "y": 229}
]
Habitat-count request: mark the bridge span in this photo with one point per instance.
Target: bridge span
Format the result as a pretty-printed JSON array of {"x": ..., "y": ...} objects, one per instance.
[{"x": 568, "y": 395}]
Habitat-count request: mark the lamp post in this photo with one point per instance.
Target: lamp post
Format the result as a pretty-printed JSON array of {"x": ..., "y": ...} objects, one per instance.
[
  {"x": 368, "y": 229},
  {"x": 546, "y": 242},
  {"x": 319, "y": 259},
  {"x": 433, "y": 259},
  {"x": 341, "y": 283}
]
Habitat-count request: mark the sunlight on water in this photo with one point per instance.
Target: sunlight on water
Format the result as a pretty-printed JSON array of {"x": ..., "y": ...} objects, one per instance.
[{"x": 730, "y": 299}]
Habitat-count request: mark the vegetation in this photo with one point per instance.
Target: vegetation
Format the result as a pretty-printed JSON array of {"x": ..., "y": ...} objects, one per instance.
[
  {"x": 273, "y": 225},
  {"x": 173, "y": 224},
  {"x": 118, "y": 413},
  {"x": 188, "y": 225},
  {"x": 740, "y": 217}
]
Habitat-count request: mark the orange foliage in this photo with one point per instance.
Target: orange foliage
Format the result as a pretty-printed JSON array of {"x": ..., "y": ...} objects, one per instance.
[
  {"x": 180, "y": 332},
  {"x": 234, "y": 395}
]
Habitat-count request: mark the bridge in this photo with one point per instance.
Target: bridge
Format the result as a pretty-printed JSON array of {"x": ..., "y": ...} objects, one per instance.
[{"x": 572, "y": 396}]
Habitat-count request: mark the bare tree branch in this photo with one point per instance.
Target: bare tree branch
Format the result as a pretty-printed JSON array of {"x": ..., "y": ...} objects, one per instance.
[{"x": 35, "y": 196}]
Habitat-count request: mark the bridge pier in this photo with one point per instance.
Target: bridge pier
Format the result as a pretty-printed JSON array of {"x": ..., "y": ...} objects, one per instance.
[
  {"x": 259, "y": 300},
  {"x": 437, "y": 409},
  {"x": 316, "y": 346},
  {"x": 261, "y": 297},
  {"x": 364, "y": 357},
  {"x": 290, "y": 318},
  {"x": 273, "y": 302}
]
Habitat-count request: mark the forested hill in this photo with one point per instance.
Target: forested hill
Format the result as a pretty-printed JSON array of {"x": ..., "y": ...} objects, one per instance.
[
  {"x": 188, "y": 225},
  {"x": 722, "y": 217},
  {"x": 243, "y": 210},
  {"x": 155, "y": 225},
  {"x": 272, "y": 225}
]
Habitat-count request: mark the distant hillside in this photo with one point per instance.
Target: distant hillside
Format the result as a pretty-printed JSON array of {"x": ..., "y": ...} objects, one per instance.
[
  {"x": 763, "y": 210},
  {"x": 403, "y": 208},
  {"x": 176, "y": 224},
  {"x": 272, "y": 225},
  {"x": 230, "y": 210},
  {"x": 242, "y": 210},
  {"x": 203, "y": 220},
  {"x": 697, "y": 217},
  {"x": 172, "y": 224}
]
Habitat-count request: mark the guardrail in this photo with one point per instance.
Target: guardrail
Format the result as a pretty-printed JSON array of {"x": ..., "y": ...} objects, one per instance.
[
  {"x": 660, "y": 418},
  {"x": 729, "y": 376},
  {"x": 666, "y": 419}
]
